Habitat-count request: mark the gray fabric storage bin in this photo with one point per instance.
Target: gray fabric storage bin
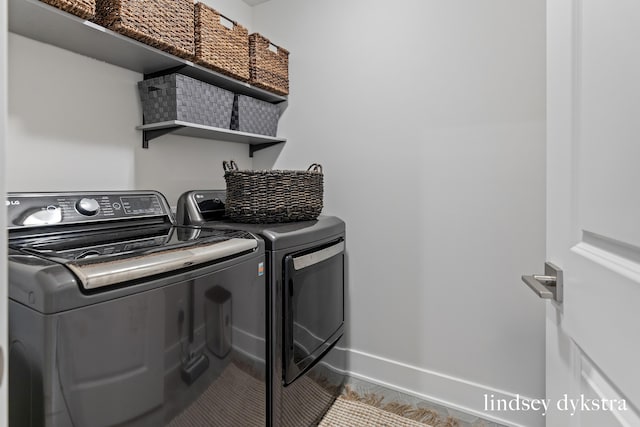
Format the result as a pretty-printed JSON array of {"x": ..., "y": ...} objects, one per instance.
[
  {"x": 178, "y": 97},
  {"x": 255, "y": 116}
]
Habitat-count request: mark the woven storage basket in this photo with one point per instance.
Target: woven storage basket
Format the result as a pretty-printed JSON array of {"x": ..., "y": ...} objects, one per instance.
[
  {"x": 273, "y": 195},
  {"x": 178, "y": 97},
  {"x": 268, "y": 70},
  {"x": 164, "y": 24},
  {"x": 254, "y": 116},
  {"x": 218, "y": 47},
  {"x": 85, "y": 9}
]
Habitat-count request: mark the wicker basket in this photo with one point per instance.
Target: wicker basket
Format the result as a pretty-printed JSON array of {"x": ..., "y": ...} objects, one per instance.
[
  {"x": 268, "y": 70},
  {"x": 254, "y": 116},
  {"x": 85, "y": 9},
  {"x": 178, "y": 97},
  {"x": 164, "y": 24},
  {"x": 218, "y": 47},
  {"x": 272, "y": 196}
]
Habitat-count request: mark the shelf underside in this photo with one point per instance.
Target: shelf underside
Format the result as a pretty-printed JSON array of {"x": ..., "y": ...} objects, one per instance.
[{"x": 177, "y": 127}]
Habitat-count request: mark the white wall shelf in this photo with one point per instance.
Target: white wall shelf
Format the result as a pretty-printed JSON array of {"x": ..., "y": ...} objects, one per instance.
[
  {"x": 256, "y": 142},
  {"x": 44, "y": 23}
]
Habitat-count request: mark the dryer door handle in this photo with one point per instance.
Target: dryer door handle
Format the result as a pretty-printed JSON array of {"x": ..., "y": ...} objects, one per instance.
[{"x": 307, "y": 260}]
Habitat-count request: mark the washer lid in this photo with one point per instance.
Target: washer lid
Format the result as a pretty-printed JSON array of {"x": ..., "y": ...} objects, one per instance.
[
  {"x": 114, "y": 255},
  {"x": 104, "y": 271}
]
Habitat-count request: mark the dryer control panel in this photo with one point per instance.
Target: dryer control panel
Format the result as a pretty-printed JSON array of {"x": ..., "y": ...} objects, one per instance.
[{"x": 200, "y": 206}]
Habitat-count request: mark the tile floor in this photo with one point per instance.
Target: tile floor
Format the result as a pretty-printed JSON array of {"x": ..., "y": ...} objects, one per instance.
[{"x": 464, "y": 419}]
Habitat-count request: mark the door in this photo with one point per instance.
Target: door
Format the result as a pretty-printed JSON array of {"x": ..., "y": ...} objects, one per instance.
[
  {"x": 314, "y": 305},
  {"x": 593, "y": 212}
]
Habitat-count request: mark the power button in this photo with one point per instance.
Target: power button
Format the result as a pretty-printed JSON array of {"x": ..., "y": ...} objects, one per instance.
[{"x": 88, "y": 207}]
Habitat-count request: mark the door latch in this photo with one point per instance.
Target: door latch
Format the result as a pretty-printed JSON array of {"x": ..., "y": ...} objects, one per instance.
[{"x": 547, "y": 286}]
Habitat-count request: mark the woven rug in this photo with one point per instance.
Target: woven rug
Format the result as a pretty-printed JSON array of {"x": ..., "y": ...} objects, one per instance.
[
  {"x": 370, "y": 409},
  {"x": 349, "y": 413},
  {"x": 234, "y": 399}
]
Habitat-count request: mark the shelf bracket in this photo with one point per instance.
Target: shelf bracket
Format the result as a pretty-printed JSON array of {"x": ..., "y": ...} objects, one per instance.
[
  {"x": 148, "y": 135},
  {"x": 165, "y": 72},
  {"x": 257, "y": 147}
]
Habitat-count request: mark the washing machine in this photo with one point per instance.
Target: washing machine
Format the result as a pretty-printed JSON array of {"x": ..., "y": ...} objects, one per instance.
[
  {"x": 118, "y": 317},
  {"x": 305, "y": 277}
]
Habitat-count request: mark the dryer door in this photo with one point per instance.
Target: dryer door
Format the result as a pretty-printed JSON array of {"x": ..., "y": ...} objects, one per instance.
[{"x": 314, "y": 306}]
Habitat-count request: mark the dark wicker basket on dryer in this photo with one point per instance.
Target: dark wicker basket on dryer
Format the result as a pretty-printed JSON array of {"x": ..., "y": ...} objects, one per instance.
[
  {"x": 272, "y": 196},
  {"x": 164, "y": 24},
  {"x": 85, "y": 9},
  {"x": 221, "y": 44},
  {"x": 269, "y": 65}
]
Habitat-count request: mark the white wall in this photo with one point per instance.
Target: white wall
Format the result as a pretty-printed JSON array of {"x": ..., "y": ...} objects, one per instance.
[
  {"x": 72, "y": 126},
  {"x": 428, "y": 117},
  {"x": 236, "y": 10},
  {"x": 72, "y": 120}
]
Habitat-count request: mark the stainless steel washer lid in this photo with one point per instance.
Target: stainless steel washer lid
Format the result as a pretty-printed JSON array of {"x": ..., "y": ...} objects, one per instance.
[{"x": 98, "y": 272}]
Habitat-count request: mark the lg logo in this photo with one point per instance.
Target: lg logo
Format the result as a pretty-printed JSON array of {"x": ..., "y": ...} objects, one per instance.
[{"x": 12, "y": 202}]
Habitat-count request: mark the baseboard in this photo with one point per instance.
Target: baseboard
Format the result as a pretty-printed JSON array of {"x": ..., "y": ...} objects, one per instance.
[{"x": 455, "y": 393}]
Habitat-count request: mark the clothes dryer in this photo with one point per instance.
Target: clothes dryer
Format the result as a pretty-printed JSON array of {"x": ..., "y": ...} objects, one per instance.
[{"x": 306, "y": 277}]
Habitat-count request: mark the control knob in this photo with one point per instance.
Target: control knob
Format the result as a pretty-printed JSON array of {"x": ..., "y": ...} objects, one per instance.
[{"x": 88, "y": 207}]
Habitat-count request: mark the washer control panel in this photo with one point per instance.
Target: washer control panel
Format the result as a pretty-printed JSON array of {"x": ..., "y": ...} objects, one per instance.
[{"x": 40, "y": 209}]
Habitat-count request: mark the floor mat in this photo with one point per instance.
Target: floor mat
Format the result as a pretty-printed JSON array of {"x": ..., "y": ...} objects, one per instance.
[
  {"x": 349, "y": 413},
  {"x": 381, "y": 410},
  {"x": 234, "y": 399}
]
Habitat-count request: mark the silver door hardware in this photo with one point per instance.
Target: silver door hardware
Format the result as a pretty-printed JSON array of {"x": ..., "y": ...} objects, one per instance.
[
  {"x": 547, "y": 286},
  {"x": 307, "y": 260}
]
